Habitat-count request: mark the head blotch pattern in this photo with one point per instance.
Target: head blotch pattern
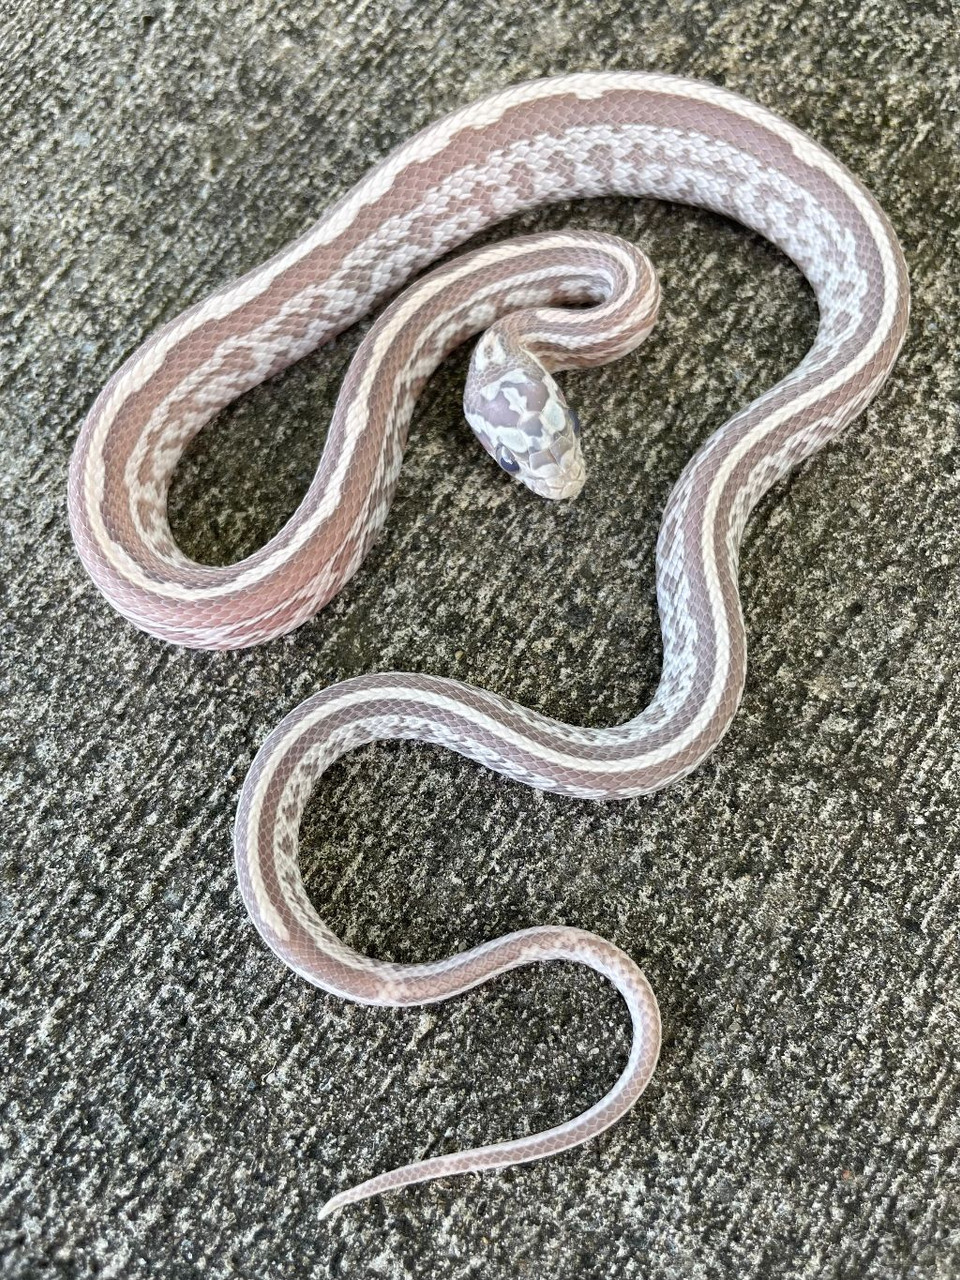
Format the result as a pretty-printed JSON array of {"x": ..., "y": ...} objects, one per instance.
[{"x": 522, "y": 419}]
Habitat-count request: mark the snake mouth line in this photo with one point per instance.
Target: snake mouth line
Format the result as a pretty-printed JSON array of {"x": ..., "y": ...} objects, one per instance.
[{"x": 564, "y": 491}]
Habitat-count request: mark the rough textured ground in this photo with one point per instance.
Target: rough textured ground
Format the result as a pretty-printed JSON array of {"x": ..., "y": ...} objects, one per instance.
[{"x": 175, "y": 1104}]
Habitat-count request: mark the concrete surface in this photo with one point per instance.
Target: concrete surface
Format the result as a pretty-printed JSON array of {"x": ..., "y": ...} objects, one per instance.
[{"x": 175, "y": 1104}]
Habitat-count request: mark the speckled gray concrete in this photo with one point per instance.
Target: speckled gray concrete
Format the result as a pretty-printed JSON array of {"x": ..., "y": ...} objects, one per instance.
[{"x": 175, "y": 1103}]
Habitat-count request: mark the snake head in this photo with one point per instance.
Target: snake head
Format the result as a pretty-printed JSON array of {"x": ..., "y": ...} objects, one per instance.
[{"x": 520, "y": 416}]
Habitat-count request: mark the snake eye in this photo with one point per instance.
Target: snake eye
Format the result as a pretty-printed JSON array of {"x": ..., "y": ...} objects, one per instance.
[{"x": 506, "y": 460}]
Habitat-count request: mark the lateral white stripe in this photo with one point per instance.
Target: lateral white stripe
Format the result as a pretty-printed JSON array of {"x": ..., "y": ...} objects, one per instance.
[
  {"x": 419, "y": 296},
  {"x": 810, "y": 153}
]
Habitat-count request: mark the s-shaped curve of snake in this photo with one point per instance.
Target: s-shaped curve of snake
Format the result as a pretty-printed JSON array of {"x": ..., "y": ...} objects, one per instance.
[{"x": 588, "y": 134}]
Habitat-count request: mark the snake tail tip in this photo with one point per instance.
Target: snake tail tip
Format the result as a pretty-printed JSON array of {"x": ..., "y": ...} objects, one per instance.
[{"x": 331, "y": 1207}]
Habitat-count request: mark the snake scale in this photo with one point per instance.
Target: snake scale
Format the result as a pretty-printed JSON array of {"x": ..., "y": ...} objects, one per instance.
[{"x": 542, "y": 303}]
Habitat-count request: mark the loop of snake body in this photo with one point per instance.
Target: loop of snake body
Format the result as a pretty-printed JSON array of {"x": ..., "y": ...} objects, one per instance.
[{"x": 589, "y": 134}]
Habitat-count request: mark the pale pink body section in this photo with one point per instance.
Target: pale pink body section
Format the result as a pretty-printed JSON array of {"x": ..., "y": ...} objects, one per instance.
[{"x": 592, "y": 134}]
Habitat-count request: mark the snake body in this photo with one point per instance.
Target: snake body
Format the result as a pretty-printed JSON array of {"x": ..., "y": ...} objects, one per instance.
[{"x": 589, "y": 134}]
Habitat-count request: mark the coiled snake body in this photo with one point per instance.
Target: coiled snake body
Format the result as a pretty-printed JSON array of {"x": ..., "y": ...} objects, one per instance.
[{"x": 580, "y": 135}]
